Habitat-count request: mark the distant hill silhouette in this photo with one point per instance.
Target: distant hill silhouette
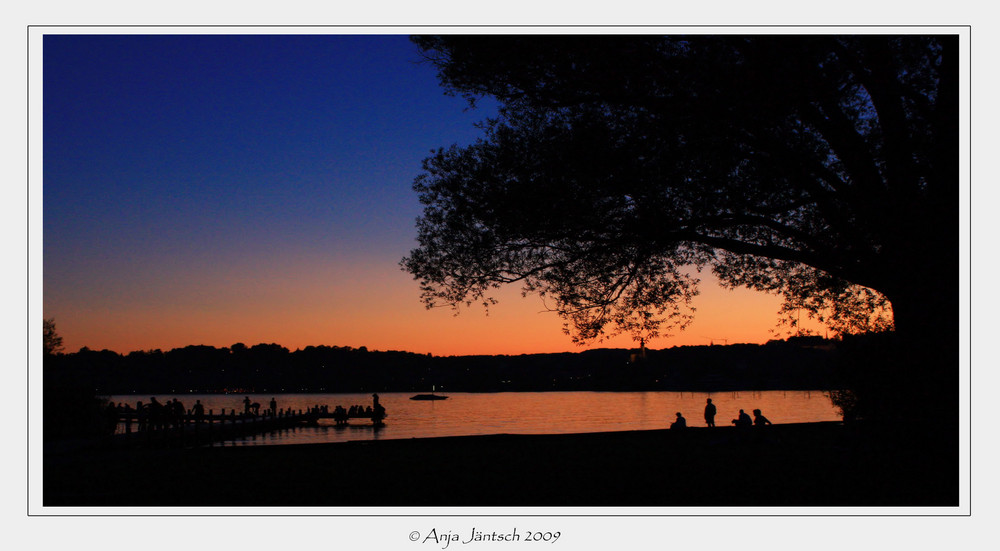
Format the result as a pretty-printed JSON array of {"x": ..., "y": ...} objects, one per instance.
[{"x": 798, "y": 363}]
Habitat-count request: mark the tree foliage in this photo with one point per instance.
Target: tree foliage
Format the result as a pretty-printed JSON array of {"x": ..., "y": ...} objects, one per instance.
[
  {"x": 51, "y": 341},
  {"x": 821, "y": 168}
]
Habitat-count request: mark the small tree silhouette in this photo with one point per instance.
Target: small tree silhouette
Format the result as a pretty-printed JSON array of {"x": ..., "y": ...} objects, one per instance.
[{"x": 51, "y": 340}]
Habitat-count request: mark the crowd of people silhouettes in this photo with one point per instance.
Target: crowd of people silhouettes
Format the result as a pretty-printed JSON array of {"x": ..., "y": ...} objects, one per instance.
[
  {"x": 375, "y": 411},
  {"x": 156, "y": 416},
  {"x": 151, "y": 416}
]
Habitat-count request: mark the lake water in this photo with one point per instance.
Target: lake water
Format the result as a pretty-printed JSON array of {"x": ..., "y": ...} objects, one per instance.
[{"x": 464, "y": 414}]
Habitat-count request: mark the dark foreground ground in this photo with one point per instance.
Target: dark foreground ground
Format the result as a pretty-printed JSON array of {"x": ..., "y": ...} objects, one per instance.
[{"x": 815, "y": 464}]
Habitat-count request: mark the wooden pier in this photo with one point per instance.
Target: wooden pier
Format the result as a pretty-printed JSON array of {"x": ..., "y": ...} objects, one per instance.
[{"x": 134, "y": 428}]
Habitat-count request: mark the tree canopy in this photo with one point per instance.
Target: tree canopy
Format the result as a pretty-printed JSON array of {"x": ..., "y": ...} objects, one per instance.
[{"x": 822, "y": 168}]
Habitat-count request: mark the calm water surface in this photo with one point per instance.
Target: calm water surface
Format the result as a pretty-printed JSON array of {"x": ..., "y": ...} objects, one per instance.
[{"x": 464, "y": 414}]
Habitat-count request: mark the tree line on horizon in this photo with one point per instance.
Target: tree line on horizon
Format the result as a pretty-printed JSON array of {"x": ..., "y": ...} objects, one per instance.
[{"x": 796, "y": 363}]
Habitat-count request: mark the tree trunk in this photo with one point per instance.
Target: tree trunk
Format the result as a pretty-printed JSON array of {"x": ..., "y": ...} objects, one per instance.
[{"x": 926, "y": 343}]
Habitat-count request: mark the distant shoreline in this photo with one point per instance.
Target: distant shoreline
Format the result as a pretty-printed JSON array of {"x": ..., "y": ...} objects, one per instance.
[{"x": 800, "y": 364}]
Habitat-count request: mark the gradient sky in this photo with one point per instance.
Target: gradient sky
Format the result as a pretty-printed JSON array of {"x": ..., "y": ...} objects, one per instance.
[{"x": 222, "y": 189}]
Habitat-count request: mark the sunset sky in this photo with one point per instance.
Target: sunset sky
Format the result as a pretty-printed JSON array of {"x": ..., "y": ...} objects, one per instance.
[{"x": 223, "y": 189}]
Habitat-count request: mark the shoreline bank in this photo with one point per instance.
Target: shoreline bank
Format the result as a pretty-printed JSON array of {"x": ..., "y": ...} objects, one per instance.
[{"x": 799, "y": 465}]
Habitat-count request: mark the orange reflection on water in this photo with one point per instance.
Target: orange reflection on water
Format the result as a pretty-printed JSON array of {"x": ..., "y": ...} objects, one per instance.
[{"x": 464, "y": 414}]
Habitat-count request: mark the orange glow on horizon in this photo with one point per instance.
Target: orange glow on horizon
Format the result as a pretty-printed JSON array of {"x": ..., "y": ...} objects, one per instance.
[{"x": 380, "y": 310}]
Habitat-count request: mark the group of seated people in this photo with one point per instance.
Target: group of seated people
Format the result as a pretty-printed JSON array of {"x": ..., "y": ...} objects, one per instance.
[
  {"x": 376, "y": 413},
  {"x": 359, "y": 411},
  {"x": 742, "y": 420}
]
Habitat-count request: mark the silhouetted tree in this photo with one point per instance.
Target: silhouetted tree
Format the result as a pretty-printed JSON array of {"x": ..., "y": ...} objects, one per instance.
[
  {"x": 70, "y": 406},
  {"x": 52, "y": 342},
  {"x": 822, "y": 168}
]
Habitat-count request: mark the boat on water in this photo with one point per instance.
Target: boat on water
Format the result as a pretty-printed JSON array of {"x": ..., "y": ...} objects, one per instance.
[{"x": 428, "y": 397}]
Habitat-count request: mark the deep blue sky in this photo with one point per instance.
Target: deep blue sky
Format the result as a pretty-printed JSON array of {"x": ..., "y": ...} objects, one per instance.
[{"x": 236, "y": 141}]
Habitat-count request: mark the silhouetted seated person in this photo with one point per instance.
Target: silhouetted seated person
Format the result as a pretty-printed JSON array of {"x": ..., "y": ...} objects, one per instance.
[
  {"x": 679, "y": 423},
  {"x": 340, "y": 415},
  {"x": 759, "y": 420},
  {"x": 368, "y": 411},
  {"x": 255, "y": 409},
  {"x": 743, "y": 420}
]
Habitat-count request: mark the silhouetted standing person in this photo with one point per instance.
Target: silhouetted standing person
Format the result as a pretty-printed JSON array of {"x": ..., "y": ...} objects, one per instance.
[
  {"x": 156, "y": 414},
  {"x": 680, "y": 423},
  {"x": 198, "y": 410},
  {"x": 177, "y": 408},
  {"x": 759, "y": 419},
  {"x": 274, "y": 406},
  {"x": 378, "y": 412},
  {"x": 709, "y": 413},
  {"x": 111, "y": 417},
  {"x": 246, "y": 404},
  {"x": 127, "y": 410}
]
